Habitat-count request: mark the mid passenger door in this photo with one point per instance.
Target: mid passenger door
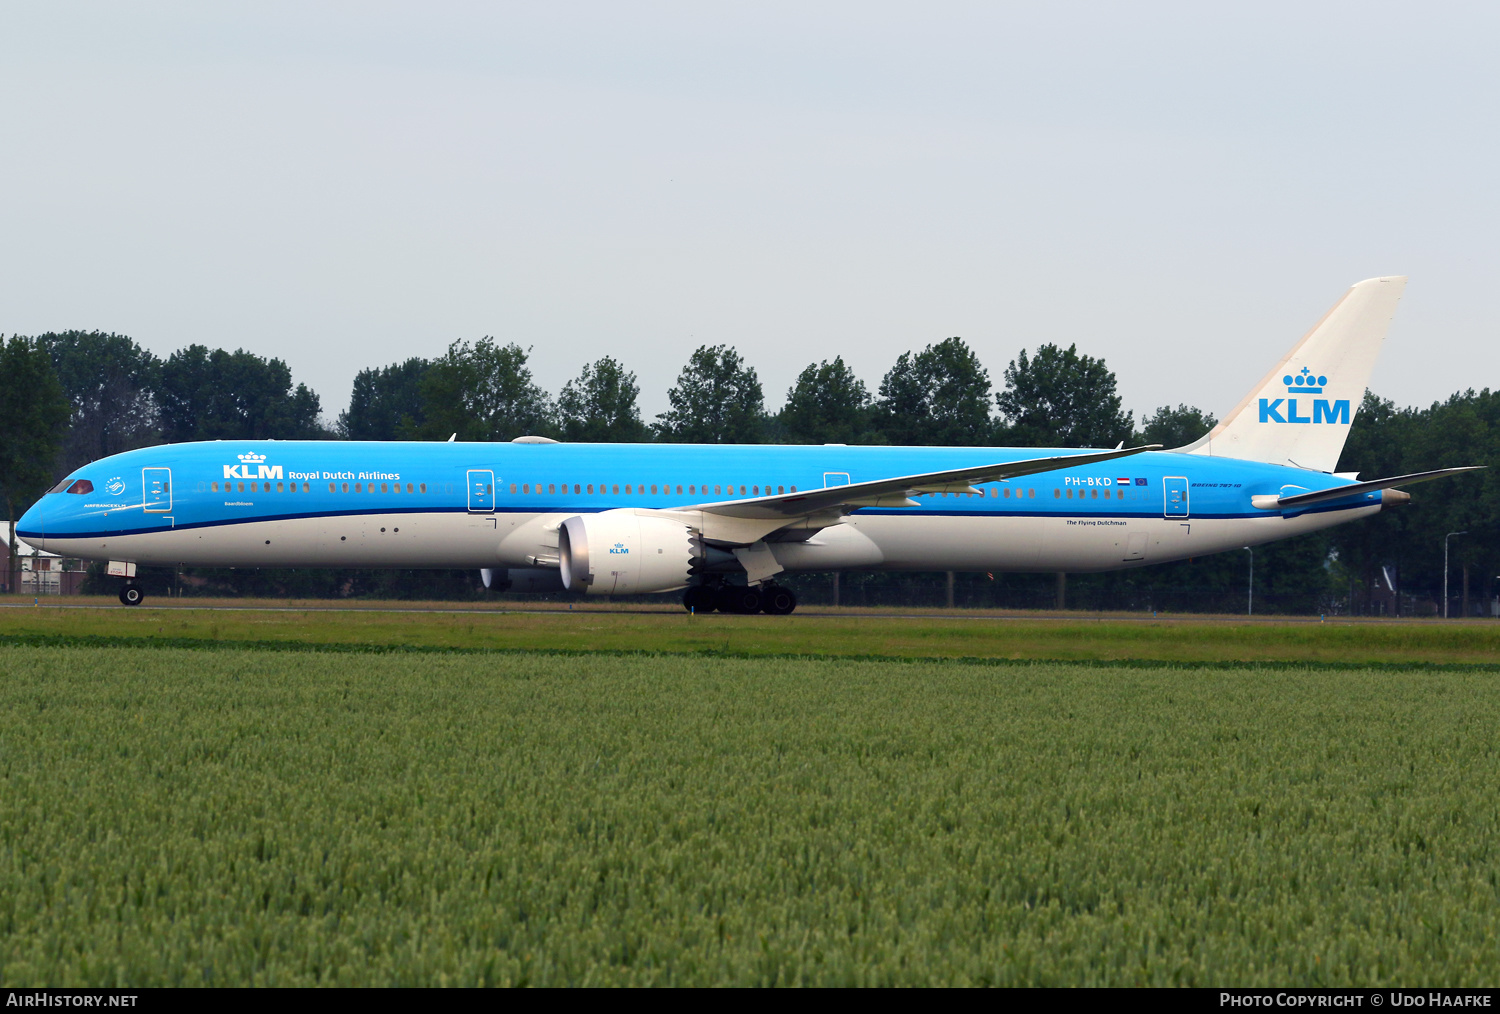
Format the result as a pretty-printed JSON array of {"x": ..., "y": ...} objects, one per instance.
[
  {"x": 481, "y": 491},
  {"x": 1175, "y": 488}
]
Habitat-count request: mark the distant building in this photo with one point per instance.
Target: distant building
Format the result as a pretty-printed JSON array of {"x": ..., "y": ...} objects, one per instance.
[{"x": 39, "y": 573}]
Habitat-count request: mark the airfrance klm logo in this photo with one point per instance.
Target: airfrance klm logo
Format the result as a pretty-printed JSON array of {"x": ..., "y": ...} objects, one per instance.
[
  {"x": 1304, "y": 382},
  {"x": 247, "y": 461}
]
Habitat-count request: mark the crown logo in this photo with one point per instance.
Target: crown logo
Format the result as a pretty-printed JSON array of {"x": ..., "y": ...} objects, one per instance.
[
  {"x": 1305, "y": 382},
  {"x": 251, "y": 458}
]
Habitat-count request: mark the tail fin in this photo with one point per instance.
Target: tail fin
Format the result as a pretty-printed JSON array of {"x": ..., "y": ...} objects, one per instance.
[{"x": 1300, "y": 413}]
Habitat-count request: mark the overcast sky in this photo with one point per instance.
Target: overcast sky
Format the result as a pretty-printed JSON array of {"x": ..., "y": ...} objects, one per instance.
[{"x": 1182, "y": 189}]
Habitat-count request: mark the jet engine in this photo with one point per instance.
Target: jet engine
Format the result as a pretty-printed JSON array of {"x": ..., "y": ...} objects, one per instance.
[{"x": 622, "y": 552}]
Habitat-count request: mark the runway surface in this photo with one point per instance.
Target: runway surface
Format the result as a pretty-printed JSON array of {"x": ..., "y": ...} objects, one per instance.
[{"x": 827, "y": 613}]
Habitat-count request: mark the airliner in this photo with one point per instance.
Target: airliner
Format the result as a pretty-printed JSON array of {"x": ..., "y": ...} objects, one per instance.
[{"x": 721, "y": 522}]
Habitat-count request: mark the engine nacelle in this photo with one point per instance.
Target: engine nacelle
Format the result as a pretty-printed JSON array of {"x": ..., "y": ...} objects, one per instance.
[{"x": 622, "y": 552}]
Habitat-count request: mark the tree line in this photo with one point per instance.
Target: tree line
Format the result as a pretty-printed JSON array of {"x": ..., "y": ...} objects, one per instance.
[
  {"x": 943, "y": 394},
  {"x": 72, "y": 397}
]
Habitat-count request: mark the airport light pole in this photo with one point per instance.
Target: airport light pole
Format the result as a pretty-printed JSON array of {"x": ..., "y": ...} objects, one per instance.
[
  {"x": 1250, "y": 588},
  {"x": 1445, "y": 570}
]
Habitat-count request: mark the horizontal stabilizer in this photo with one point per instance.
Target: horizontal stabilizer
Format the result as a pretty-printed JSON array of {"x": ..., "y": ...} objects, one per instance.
[
  {"x": 1354, "y": 489},
  {"x": 895, "y": 492}
]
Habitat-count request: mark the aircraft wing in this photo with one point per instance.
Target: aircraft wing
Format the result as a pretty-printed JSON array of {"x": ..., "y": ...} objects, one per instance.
[
  {"x": 897, "y": 491},
  {"x": 1340, "y": 492}
]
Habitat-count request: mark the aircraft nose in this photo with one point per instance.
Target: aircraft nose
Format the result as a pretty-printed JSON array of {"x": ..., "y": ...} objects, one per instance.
[{"x": 31, "y": 529}]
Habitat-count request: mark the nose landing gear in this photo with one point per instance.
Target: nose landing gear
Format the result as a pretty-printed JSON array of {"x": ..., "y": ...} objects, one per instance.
[{"x": 131, "y": 595}]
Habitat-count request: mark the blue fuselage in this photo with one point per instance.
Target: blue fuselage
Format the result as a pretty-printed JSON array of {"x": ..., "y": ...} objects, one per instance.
[{"x": 467, "y": 504}]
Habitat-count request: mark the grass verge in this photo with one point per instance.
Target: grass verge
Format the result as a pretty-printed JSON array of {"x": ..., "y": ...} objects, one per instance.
[{"x": 855, "y": 636}]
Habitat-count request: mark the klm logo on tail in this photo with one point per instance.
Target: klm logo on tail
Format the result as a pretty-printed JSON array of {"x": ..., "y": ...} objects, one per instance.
[{"x": 1324, "y": 410}]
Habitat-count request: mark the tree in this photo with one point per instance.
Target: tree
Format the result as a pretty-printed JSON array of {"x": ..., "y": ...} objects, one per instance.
[
  {"x": 33, "y": 415},
  {"x": 717, "y": 400},
  {"x": 109, "y": 380},
  {"x": 208, "y": 394},
  {"x": 1385, "y": 441},
  {"x": 1175, "y": 427},
  {"x": 386, "y": 403},
  {"x": 483, "y": 391},
  {"x": 1062, "y": 399},
  {"x": 940, "y": 395},
  {"x": 827, "y": 405},
  {"x": 599, "y": 405}
]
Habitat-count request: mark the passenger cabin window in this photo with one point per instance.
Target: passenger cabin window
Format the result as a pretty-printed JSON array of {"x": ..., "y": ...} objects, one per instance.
[{"x": 423, "y": 487}]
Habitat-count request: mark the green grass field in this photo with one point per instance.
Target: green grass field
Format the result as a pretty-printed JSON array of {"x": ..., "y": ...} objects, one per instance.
[
  {"x": 173, "y": 816},
  {"x": 845, "y": 633}
]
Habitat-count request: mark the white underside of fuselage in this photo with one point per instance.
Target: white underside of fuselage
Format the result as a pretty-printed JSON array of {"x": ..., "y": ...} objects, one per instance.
[{"x": 879, "y": 542}]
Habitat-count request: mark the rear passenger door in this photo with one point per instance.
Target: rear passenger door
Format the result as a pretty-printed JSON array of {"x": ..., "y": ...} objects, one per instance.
[
  {"x": 1175, "y": 488},
  {"x": 481, "y": 491}
]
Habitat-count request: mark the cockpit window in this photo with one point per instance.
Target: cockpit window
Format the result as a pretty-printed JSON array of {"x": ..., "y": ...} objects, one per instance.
[
  {"x": 60, "y": 486},
  {"x": 81, "y": 486}
]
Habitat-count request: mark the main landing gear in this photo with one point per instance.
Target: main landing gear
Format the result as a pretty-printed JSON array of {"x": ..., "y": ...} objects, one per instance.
[
  {"x": 131, "y": 595},
  {"x": 770, "y": 598}
]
